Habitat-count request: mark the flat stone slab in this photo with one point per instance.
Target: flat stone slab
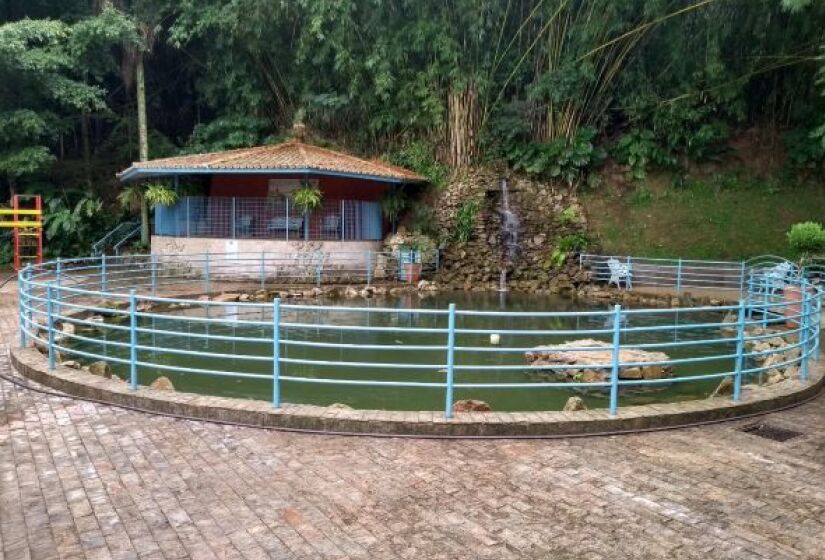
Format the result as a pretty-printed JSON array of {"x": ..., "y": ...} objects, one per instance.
[
  {"x": 591, "y": 361},
  {"x": 296, "y": 417}
]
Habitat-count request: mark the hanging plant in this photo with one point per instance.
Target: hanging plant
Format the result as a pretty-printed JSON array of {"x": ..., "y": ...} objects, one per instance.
[{"x": 306, "y": 198}]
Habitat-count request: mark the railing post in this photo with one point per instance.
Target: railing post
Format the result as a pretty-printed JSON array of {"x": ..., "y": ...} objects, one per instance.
[
  {"x": 263, "y": 269},
  {"x": 448, "y": 394},
  {"x": 188, "y": 217},
  {"x": 765, "y": 284},
  {"x": 369, "y": 268},
  {"x": 750, "y": 296},
  {"x": 740, "y": 352},
  {"x": 29, "y": 311},
  {"x": 234, "y": 233},
  {"x": 58, "y": 274},
  {"x": 276, "y": 353},
  {"x": 817, "y": 318},
  {"x": 804, "y": 335},
  {"x": 153, "y": 264},
  {"x": 343, "y": 220},
  {"x": 22, "y": 285},
  {"x": 133, "y": 378},
  {"x": 104, "y": 281},
  {"x": 741, "y": 279},
  {"x": 679, "y": 278},
  {"x": 286, "y": 206},
  {"x": 50, "y": 324},
  {"x": 614, "y": 371},
  {"x": 206, "y": 274}
]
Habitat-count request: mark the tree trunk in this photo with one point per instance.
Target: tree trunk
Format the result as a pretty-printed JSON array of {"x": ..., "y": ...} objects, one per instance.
[
  {"x": 462, "y": 124},
  {"x": 143, "y": 141},
  {"x": 87, "y": 150}
]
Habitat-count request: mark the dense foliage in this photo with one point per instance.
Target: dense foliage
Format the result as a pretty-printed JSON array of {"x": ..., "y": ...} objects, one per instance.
[{"x": 552, "y": 87}]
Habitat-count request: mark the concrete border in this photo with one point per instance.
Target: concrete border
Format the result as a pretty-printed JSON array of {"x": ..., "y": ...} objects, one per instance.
[{"x": 755, "y": 400}]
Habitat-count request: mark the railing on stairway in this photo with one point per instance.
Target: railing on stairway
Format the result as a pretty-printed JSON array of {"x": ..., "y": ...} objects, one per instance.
[{"x": 121, "y": 233}]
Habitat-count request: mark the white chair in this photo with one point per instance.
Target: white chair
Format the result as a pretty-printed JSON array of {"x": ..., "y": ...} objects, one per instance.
[
  {"x": 777, "y": 276},
  {"x": 620, "y": 272}
]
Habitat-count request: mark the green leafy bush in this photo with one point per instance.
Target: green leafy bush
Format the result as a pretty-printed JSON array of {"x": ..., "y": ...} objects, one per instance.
[
  {"x": 565, "y": 245},
  {"x": 393, "y": 203},
  {"x": 807, "y": 238},
  {"x": 562, "y": 159},
  {"x": 568, "y": 216},
  {"x": 639, "y": 149},
  {"x": 804, "y": 149},
  {"x": 465, "y": 221},
  {"x": 420, "y": 157}
]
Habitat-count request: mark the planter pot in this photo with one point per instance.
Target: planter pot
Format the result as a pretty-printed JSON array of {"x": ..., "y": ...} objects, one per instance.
[{"x": 412, "y": 272}]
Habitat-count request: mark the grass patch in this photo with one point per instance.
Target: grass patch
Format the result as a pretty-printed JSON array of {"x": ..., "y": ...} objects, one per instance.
[{"x": 725, "y": 217}]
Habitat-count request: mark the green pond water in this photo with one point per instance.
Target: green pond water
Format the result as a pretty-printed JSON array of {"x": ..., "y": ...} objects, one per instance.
[{"x": 408, "y": 313}]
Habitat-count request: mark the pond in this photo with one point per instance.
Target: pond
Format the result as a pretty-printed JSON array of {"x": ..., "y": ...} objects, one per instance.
[{"x": 409, "y": 311}]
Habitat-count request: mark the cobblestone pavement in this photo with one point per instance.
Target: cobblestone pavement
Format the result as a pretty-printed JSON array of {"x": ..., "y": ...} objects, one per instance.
[{"x": 84, "y": 480}]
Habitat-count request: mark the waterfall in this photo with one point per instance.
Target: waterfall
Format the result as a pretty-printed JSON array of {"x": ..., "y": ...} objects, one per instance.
[{"x": 509, "y": 234}]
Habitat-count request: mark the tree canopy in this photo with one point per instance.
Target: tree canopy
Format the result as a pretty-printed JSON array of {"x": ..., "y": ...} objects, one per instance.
[{"x": 547, "y": 86}]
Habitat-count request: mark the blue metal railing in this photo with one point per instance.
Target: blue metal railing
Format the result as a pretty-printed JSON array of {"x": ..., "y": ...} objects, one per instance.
[
  {"x": 126, "y": 290},
  {"x": 116, "y": 237}
]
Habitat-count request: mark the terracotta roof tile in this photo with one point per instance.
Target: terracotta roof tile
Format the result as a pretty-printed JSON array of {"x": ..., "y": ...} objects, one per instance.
[{"x": 281, "y": 157}]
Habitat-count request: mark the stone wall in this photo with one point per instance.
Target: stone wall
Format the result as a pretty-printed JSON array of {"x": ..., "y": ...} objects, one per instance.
[{"x": 539, "y": 205}]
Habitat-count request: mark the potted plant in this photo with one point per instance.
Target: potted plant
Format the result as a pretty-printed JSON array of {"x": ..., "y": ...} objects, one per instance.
[{"x": 412, "y": 253}]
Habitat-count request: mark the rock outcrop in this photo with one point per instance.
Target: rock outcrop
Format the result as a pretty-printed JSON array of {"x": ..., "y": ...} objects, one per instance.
[
  {"x": 101, "y": 369},
  {"x": 547, "y": 213},
  {"x": 162, "y": 383},
  {"x": 601, "y": 356}
]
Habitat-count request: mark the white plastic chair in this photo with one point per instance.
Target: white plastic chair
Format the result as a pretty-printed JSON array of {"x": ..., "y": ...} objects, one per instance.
[{"x": 620, "y": 272}]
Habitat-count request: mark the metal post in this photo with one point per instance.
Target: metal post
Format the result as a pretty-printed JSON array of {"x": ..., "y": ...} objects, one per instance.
[
  {"x": 22, "y": 284},
  {"x": 206, "y": 274},
  {"x": 133, "y": 378},
  {"x": 741, "y": 278},
  {"x": 369, "y": 268},
  {"x": 817, "y": 322},
  {"x": 263, "y": 269},
  {"x": 765, "y": 300},
  {"x": 29, "y": 295},
  {"x": 104, "y": 281},
  {"x": 750, "y": 296},
  {"x": 59, "y": 274},
  {"x": 286, "y": 205},
  {"x": 153, "y": 263},
  {"x": 276, "y": 353},
  {"x": 50, "y": 323},
  {"x": 188, "y": 216},
  {"x": 804, "y": 335},
  {"x": 679, "y": 278},
  {"x": 448, "y": 396},
  {"x": 740, "y": 351},
  {"x": 614, "y": 372},
  {"x": 234, "y": 232},
  {"x": 343, "y": 220}
]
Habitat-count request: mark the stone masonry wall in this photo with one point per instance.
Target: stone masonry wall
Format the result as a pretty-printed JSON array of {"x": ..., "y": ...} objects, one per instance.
[{"x": 477, "y": 264}]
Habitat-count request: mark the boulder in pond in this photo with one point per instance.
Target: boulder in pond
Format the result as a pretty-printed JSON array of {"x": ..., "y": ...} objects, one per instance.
[
  {"x": 573, "y": 404},
  {"x": 596, "y": 358},
  {"x": 471, "y": 405},
  {"x": 101, "y": 369},
  {"x": 162, "y": 383}
]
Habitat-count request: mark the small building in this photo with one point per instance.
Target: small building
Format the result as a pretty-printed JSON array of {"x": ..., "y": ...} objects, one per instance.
[{"x": 243, "y": 202}]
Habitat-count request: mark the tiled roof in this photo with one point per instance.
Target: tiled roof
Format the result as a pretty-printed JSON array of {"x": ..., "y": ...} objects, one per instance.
[{"x": 292, "y": 155}]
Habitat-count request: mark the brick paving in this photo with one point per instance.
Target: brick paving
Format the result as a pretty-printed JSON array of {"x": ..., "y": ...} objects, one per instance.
[{"x": 80, "y": 480}]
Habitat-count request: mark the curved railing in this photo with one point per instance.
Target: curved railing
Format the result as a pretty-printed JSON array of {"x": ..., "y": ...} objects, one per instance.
[{"x": 129, "y": 312}]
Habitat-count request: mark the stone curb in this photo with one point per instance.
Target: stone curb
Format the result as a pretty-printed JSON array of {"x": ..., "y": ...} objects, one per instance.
[{"x": 33, "y": 365}]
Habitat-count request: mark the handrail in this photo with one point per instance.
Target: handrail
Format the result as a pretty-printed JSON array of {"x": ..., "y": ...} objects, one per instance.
[
  {"x": 772, "y": 330},
  {"x": 100, "y": 245}
]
